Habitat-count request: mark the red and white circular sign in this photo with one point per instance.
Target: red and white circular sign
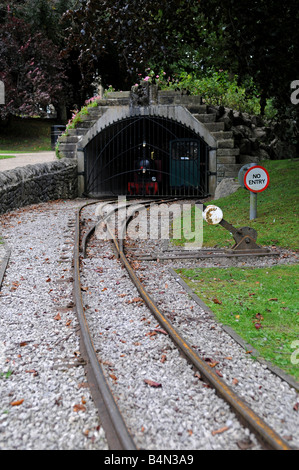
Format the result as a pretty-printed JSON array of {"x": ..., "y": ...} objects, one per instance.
[{"x": 256, "y": 179}]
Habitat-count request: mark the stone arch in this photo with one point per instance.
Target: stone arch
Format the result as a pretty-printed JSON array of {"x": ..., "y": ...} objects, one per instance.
[{"x": 175, "y": 113}]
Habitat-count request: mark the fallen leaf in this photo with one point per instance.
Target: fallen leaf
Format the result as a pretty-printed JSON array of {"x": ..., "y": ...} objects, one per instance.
[
  {"x": 135, "y": 300},
  {"x": 16, "y": 403},
  {"x": 259, "y": 316},
  {"x": 216, "y": 301},
  {"x": 83, "y": 385},
  {"x": 273, "y": 299},
  {"x": 151, "y": 333},
  {"x": 258, "y": 326},
  {"x": 113, "y": 377},
  {"x": 235, "y": 381},
  {"x": 163, "y": 358},
  {"x": 220, "y": 430},
  {"x": 79, "y": 407},
  {"x": 152, "y": 383},
  {"x": 32, "y": 371},
  {"x": 213, "y": 363},
  {"x": 160, "y": 330},
  {"x": 58, "y": 317}
]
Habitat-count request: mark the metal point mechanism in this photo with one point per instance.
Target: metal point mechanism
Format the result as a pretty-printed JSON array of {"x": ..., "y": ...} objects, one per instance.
[{"x": 245, "y": 238}]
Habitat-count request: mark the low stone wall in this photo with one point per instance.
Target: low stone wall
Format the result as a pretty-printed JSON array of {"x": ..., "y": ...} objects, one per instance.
[{"x": 33, "y": 184}]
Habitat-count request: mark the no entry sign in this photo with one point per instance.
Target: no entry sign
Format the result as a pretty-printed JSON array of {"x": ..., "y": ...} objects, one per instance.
[{"x": 256, "y": 179}]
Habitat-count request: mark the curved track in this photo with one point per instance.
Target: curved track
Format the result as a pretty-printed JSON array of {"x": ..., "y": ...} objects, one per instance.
[
  {"x": 4, "y": 265},
  {"x": 117, "y": 433}
]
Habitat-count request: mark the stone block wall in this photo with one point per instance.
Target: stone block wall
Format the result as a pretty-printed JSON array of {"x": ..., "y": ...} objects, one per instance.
[{"x": 33, "y": 184}]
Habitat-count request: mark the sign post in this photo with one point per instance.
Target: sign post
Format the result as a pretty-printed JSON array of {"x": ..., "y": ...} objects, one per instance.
[
  {"x": 253, "y": 206},
  {"x": 256, "y": 180}
]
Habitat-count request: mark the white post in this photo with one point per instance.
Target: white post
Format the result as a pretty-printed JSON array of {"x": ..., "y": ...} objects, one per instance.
[{"x": 253, "y": 205}]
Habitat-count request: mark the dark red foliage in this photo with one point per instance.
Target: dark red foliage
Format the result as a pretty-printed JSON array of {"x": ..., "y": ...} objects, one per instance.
[{"x": 31, "y": 70}]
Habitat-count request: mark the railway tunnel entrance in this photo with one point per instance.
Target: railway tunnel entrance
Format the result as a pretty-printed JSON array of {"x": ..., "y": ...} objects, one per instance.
[{"x": 146, "y": 155}]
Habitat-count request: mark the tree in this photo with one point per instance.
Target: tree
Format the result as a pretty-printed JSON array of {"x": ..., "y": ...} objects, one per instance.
[
  {"x": 118, "y": 40},
  {"x": 261, "y": 40},
  {"x": 31, "y": 70}
]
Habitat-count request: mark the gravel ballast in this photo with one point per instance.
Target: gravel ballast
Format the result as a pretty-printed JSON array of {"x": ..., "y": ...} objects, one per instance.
[
  {"x": 135, "y": 353},
  {"x": 45, "y": 401}
]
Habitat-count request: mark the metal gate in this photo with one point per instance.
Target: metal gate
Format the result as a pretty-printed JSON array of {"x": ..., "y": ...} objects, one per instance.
[{"x": 146, "y": 155}]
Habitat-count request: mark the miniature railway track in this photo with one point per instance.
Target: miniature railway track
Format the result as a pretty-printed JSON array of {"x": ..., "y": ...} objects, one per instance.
[
  {"x": 118, "y": 435},
  {"x": 3, "y": 265}
]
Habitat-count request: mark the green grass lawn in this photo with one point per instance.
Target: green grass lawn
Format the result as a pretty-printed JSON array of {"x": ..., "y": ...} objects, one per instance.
[
  {"x": 26, "y": 135},
  {"x": 277, "y": 221},
  {"x": 4, "y": 157},
  {"x": 262, "y": 304}
]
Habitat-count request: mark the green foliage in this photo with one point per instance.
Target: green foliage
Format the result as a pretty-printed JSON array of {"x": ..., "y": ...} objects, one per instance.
[
  {"x": 216, "y": 88},
  {"x": 6, "y": 375},
  {"x": 78, "y": 114},
  {"x": 261, "y": 41}
]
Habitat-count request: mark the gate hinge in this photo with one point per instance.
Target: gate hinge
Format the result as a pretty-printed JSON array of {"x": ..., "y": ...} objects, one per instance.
[{"x": 212, "y": 173}]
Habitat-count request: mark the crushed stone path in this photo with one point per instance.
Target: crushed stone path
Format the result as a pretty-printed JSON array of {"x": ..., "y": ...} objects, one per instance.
[
  {"x": 23, "y": 159},
  {"x": 45, "y": 399}
]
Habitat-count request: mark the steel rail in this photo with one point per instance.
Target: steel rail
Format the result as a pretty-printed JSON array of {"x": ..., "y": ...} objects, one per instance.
[
  {"x": 118, "y": 436},
  {"x": 105, "y": 218},
  {"x": 265, "y": 434},
  {"x": 4, "y": 264}
]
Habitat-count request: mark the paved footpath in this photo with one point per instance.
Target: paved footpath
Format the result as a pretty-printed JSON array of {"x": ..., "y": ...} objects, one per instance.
[{"x": 23, "y": 159}]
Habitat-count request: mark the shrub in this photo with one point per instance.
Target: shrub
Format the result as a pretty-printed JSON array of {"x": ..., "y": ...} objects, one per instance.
[{"x": 216, "y": 87}]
